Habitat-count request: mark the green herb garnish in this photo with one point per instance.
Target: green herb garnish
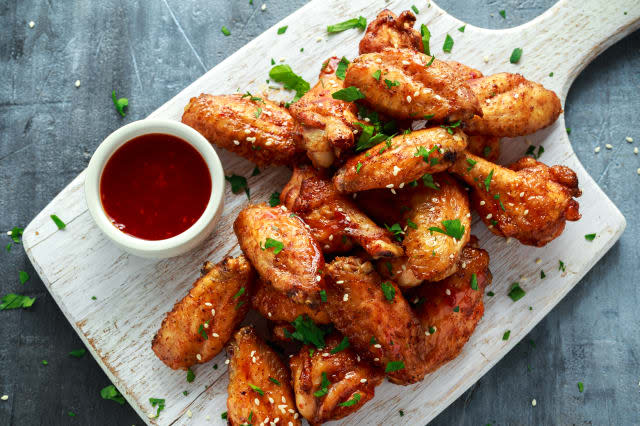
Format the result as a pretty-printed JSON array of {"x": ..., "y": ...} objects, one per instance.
[
  {"x": 487, "y": 181},
  {"x": 78, "y": 353},
  {"x": 159, "y": 402},
  {"x": 120, "y": 103},
  {"x": 448, "y": 44},
  {"x": 324, "y": 386},
  {"x": 341, "y": 70},
  {"x": 238, "y": 184},
  {"x": 225, "y": 31},
  {"x": 474, "y": 282},
  {"x": 16, "y": 301},
  {"x": 426, "y": 36},
  {"x": 344, "y": 344},
  {"x": 256, "y": 389},
  {"x": 292, "y": 81},
  {"x": 516, "y": 293},
  {"x": 453, "y": 228},
  {"x": 590, "y": 237},
  {"x": 394, "y": 366},
  {"x": 391, "y": 84},
  {"x": 506, "y": 334},
  {"x": 353, "y": 401},
  {"x": 388, "y": 290},
  {"x": 190, "y": 375},
  {"x": 348, "y": 94},
  {"x": 515, "y": 55},
  {"x": 376, "y": 75},
  {"x": 307, "y": 332},
  {"x": 359, "y": 22},
  {"x": 110, "y": 392},
  {"x": 274, "y": 200},
  {"x": 277, "y": 246},
  {"x": 23, "y": 277},
  {"x": 272, "y": 380},
  {"x": 282, "y": 30},
  {"x": 59, "y": 223}
]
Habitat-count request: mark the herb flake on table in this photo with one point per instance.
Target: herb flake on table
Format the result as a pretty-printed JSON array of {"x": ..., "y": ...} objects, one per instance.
[
  {"x": 190, "y": 375},
  {"x": 561, "y": 266},
  {"x": 359, "y": 22},
  {"x": 159, "y": 402},
  {"x": 238, "y": 184},
  {"x": 274, "y": 200},
  {"x": 516, "y": 293},
  {"x": 291, "y": 81},
  {"x": 23, "y": 277},
  {"x": 532, "y": 151},
  {"x": 580, "y": 387},
  {"x": 462, "y": 28},
  {"x": 78, "y": 353},
  {"x": 503, "y": 13},
  {"x": 415, "y": 9},
  {"x": 448, "y": 44},
  {"x": 506, "y": 335},
  {"x": 282, "y": 30},
  {"x": 426, "y": 36},
  {"x": 348, "y": 94},
  {"x": 110, "y": 392},
  {"x": 453, "y": 228},
  {"x": 59, "y": 223},
  {"x": 542, "y": 274},
  {"x": 225, "y": 31},
  {"x": 515, "y": 55},
  {"x": 590, "y": 237},
  {"x": 16, "y": 301},
  {"x": 119, "y": 103},
  {"x": 16, "y": 234}
]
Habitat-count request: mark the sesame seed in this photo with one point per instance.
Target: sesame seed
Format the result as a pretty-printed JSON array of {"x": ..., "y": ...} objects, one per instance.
[
  {"x": 327, "y": 246},
  {"x": 213, "y": 312},
  {"x": 405, "y": 62},
  {"x": 358, "y": 359},
  {"x": 9, "y": 233},
  {"x": 482, "y": 203},
  {"x": 608, "y": 146},
  {"x": 533, "y": 402},
  {"x": 199, "y": 357},
  {"x": 635, "y": 150},
  {"x": 377, "y": 345},
  {"x": 435, "y": 328},
  {"x": 283, "y": 59},
  {"x": 32, "y": 24},
  {"x": 401, "y": 185},
  {"x": 363, "y": 380},
  {"x": 269, "y": 314},
  {"x": 5, "y": 397},
  {"x": 318, "y": 278},
  {"x": 215, "y": 334},
  {"x": 367, "y": 119},
  {"x": 251, "y": 139},
  {"x": 256, "y": 401},
  {"x": 448, "y": 292},
  {"x": 331, "y": 237},
  {"x": 426, "y": 333},
  {"x": 346, "y": 296},
  {"x": 376, "y": 359},
  {"x": 291, "y": 410},
  {"x": 290, "y": 423},
  {"x": 526, "y": 212},
  {"x": 515, "y": 96},
  {"x": 205, "y": 325},
  {"x": 247, "y": 131},
  {"x": 485, "y": 59},
  {"x": 409, "y": 99},
  {"x": 189, "y": 413},
  {"x": 393, "y": 191},
  {"x": 264, "y": 6},
  {"x": 522, "y": 194},
  {"x": 235, "y": 142},
  {"x": 271, "y": 400},
  {"x": 596, "y": 149},
  {"x": 509, "y": 240},
  {"x": 77, "y": 83},
  {"x": 208, "y": 304},
  {"x": 378, "y": 60},
  {"x": 318, "y": 40},
  {"x": 489, "y": 216},
  {"x": 284, "y": 399},
  {"x": 208, "y": 418},
  {"x": 296, "y": 415},
  {"x": 416, "y": 93},
  {"x": 226, "y": 361},
  {"x": 390, "y": 185},
  {"x": 638, "y": 171},
  {"x": 325, "y": 354},
  {"x": 276, "y": 420},
  {"x": 396, "y": 170},
  {"x": 629, "y": 139}
]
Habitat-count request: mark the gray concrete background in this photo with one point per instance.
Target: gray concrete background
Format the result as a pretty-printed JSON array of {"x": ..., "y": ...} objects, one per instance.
[{"x": 150, "y": 50}]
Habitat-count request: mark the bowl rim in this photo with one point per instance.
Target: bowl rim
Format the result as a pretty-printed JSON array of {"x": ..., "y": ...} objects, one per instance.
[{"x": 153, "y": 248}]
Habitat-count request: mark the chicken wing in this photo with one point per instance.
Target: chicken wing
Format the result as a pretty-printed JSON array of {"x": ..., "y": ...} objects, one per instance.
[
  {"x": 398, "y": 83},
  {"x": 390, "y": 30},
  {"x": 403, "y": 159},
  {"x": 398, "y": 270},
  {"x": 275, "y": 306},
  {"x": 528, "y": 201},
  {"x": 512, "y": 106},
  {"x": 328, "y": 124},
  {"x": 259, "y": 383},
  {"x": 326, "y": 384},
  {"x": 333, "y": 216},
  {"x": 449, "y": 310},
  {"x": 465, "y": 72},
  {"x": 200, "y": 325},
  {"x": 252, "y": 127},
  {"x": 487, "y": 147},
  {"x": 281, "y": 248},
  {"x": 376, "y": 318}
]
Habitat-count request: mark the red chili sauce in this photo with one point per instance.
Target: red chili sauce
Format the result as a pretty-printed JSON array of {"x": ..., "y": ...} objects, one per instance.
[{"x": 155, "y": 186}]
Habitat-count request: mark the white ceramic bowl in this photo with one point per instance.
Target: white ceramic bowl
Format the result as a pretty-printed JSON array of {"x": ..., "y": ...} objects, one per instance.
[{"x": 173, "y": 246}]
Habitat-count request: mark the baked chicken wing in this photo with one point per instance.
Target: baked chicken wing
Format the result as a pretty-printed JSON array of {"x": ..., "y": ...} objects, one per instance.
[
  {"x": 398, "y": 83},
  {"x": 487, "y": 147},
  {"x": 277, "y": 307},
  {"x": 449, "y": 310},
  {"x": 528, "y": 201},
  {"x": 334, "y": 218},
  {"x": 252, "y": 127},
  {"x": 390, "y": 30},
  {"x": 328, "y": 124},
  {"x": 376, "y": 318},
  {"x": 330, "y": 386},
  {"x": 200, "y": 325},
  {"x": 401, "y": 160},
  {"x": 281, "y": 248},
  {"x": 259, "y": 388},
  {"x": 512, "y": 106}
]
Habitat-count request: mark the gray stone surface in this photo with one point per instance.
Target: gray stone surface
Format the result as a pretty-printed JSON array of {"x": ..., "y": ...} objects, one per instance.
[{"x": 150, "y": 50}]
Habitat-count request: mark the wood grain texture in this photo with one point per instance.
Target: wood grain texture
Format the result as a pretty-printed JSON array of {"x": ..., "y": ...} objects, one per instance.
[{"x": 134, "y": 293}]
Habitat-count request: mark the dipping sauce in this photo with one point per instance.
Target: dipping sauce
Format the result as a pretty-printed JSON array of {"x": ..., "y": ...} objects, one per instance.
[{"x": 155, "y": 186}]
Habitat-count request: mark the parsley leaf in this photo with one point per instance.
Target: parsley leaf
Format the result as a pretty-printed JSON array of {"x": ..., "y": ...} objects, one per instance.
[
  {"x": 506, "y": 334},
  {"x": 307, "y": 332},
  {"x": 348, "y": 94},
  {"x": 580, "y": 387},
  {"x": 428, "y": 64},
  {"x": 24, "y": 277},
  {"x": 59, "y": 223},
  {"x": 358, "y": 167},
  {"x": 396, "y": 229},
  {"x": 462, "y": 28},
  {"x": 448, "y": 44},
  {"x": 411, "y": 224},
  {"x": 474, "y": 282},
  {"x": 274, "y": 200},
  {"x": 78, "y": 353},
  {"x": 190, "y": 375},
  {"x": 324, "y": 386},
  {"x": 282, "y": 30},
  {"x": 256, "y": 389},
  {"x": 503, "y": 13},
  {"x": 427, "y": 180},
  {"x": 359, "y": 22},
  {"x": 515, "y": 55},
  {"x": 561, "y": 266},
  {"x": 225, "y": 31},
  {"x": 421, "y": 151},
  {"x": 120, "y": 104},
  {"x": 542, "y": 274},
  {"x": 272, "y": 380},
  {"x": 110, "y": 392},
  {"x": 376, "y": 75},
  {"x": 472, "y": 163},
  {"x": 590, "y": 237},
  {"x": 16, "y": 234},
  {"x": 394, "y": 366},
  {"x": 391, "y": 84},
  {"x": 323, "y": 295},
  {"x": 452, "y": 228},
  {"x": 203, "y": 332},
  {"x": 487, "y": 181},
  {"x": 292, "y": 81},
  {"x": 159, "y": 402},
  {"x": 388, "y": 290},
  {"x": 258, "y": 112},
  {"x": 16, "y": 301},
  {"x": 341, "y": 70},
  {"x": 450, "y": 127},
  {"x": 344, "y": 344},
  {"x": 255, "y": 172},
  {"x": 277, "y": 246},
  {"x": 223, "y": 416},
  {"x": 237, "y": 295},
  {"x": 238, "y": 184},
  {"x": 415, "y": 9},
  {"x": 353, "y": 401},
  {"x": 531, "y": 151},
  {"x": 516, "y": 293},
  {"x": 426, "y": 36}
]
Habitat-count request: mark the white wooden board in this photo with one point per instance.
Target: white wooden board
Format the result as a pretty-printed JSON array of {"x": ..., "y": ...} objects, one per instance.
[{"x": 133, "y": 294}]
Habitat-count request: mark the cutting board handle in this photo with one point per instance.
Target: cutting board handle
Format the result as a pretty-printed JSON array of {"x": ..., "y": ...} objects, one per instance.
[{"x": 574, "y": 32}]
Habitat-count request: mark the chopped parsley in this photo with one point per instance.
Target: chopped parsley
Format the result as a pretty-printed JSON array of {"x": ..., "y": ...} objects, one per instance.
[
  {"x": 421, "y": 151},
  {"x": 256, "y": 389},
  {"x": 472, "y": 163},
  {"x": 24, "y": 277},
  {"x": 45, "y": 362},
  {"x": 110, "y": 392},
  {"x": 401, "y": 413},
  {"x": 284, "y": 74},
  {"x": 588, "y": 237},
  {"x": 223, "y": 416},
  {"x": 462, "y": 28},
  {"x": 348, "y": 94},
  {"x": 415, "y": 9},
  {"x": 452, "y": 126},
  {"x": 341, "y": 70},
  {"x": 487, "y": 181},
  {"x": 159, "y": 402},
  {"x": 515, "y": 55},
  {"x": 376, "y": 75},
  {"x": 255, "y": 172},
  {"x": 225, "y": 31},
  {"x": 238, "y": 184},
  {"x": 367, "y": 139},
  {"x": 359, "y": 22},
  {"x": 452, "y": 228},
  {"x": 274, "y": 200},
  {"x": 503, "y": 13},
  {"x": 426, "y": 36},
  {"x": 78, "y": 353},
  {"x": 59, "y": 223},
  {"x": 568, "y": 130},
  {"x": 237, "y": 295},
  {"x": 203, "y": 332},
  {"x": 551, "y": 74},
  {"x": 190, "y": 375},
  {"x": 8, "y": 247},
  {"x": 344, "y": 344},
  {"x": 388, "y": 290},
  {"x": 448, "y": 44},
  {"x": 16, "y": 234},
  {"x": 71, "y": 414},
  {"x": 323, "y": 295},
  {"x": 516, "y": 293},
  {"x": 433, "y": 58},
  {"x": 358, "y": 167},
  {"x": 474, "y": 282},
  {"x": 391, "y": 84},
  {"x": 394, "y": 366},
  {"x": 372, "y": 341},
  {"x": 411, "y": 224},
  {"x": 531, "y": 151},
  {"x": 119, "y": 103},
  {"x": 487, "y": 150},
  {"x": 580, "y": 387},
  {"x": 324, "y": 386},
  {"x": 277, "y": 246},
  {"x": 427, "y": 180},
  {"x": 542, "y": 274},
  {"x": 16, "y": 301},
  {"x": 275, "y": 381},
  {"x": 456, "y": 309},
  {"x": 396, "y": 230},
  {"x": 282, "y": 30},
  {"x": 490, "y": 294},
  {"x": 251, "y": 97},
  {"x": 353, "y": 401},
  {"x": 307, "y": 332},
  {"x": 506, "y": 334}
]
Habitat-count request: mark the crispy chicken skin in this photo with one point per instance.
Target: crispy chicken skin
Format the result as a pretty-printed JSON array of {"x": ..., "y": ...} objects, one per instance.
[
  {"x": 390, "y": 30},
  {"x": 333, "y": 216},
  {"x": 487, "y": 147},
  {"x": 512, "y": 106},
  {"x": 277, "y": 307},
  {"x": 397, "y": 269},
  {"x": 408, "y": 89},
  {"x": 390, "y": 167},
  {"x": 344, "y": 370},
  {"x": 296, "y": 269},
  {"x": 327, "y": 123},
  {"x": 216, "y": 303},
  {"x": 253, "y": 362},
  {"x": 230, "y": 122},
  {"x": 359, "y": 309},
  {"x": 537, "y": 199},
  {"x": 464, "y": 71},
  {"x": 450, "y": 330},
  {"x": 433, "y": 256}
]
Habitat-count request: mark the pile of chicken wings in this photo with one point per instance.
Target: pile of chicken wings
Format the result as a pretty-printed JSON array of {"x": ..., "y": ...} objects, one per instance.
[{"x": 367, "y": 268}]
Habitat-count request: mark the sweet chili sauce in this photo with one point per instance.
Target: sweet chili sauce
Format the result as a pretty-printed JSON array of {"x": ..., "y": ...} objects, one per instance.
[{"x": 155, "y": 186}]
